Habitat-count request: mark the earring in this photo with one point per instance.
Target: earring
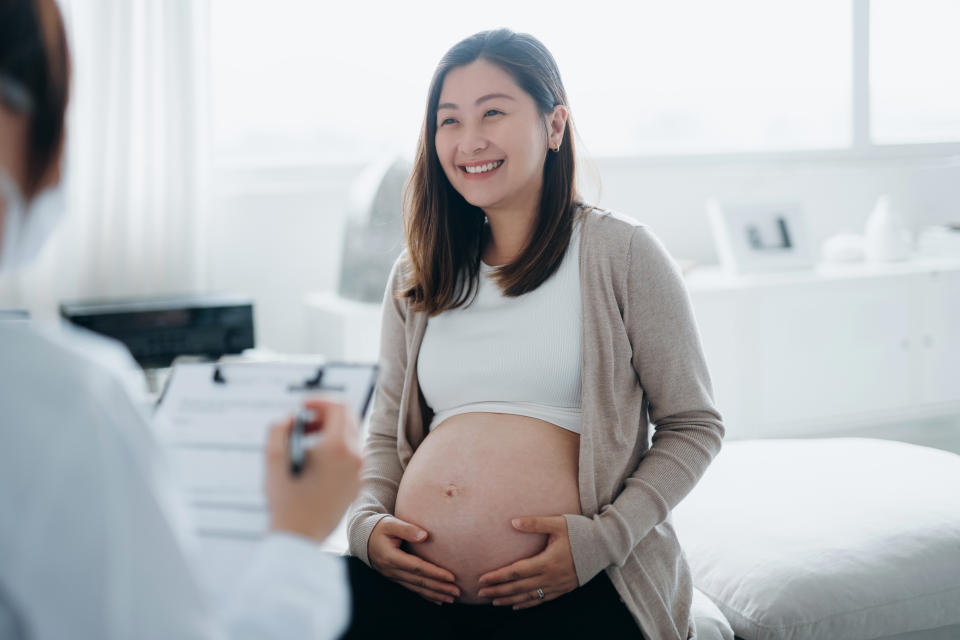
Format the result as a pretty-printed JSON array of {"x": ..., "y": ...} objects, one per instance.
[{"x": 558, "y": 148}]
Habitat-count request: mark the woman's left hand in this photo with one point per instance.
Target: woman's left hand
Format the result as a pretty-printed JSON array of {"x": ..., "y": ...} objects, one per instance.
[{"x": 551, "y": 570}]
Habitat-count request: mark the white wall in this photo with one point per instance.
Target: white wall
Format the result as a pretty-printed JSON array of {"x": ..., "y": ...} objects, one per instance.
[{"x": 277, "y": 234}]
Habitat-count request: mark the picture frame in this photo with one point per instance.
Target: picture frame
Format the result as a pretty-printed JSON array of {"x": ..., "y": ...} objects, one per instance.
[{"x": 757, "y": 237}]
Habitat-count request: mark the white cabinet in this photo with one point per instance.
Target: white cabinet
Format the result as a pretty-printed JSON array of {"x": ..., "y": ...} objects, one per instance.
[
  {"x": 941, "y": 338},
  {"x": 801, "y": 353}
]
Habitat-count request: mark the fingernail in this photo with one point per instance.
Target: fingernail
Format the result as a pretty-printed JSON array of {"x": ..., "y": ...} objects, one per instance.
[
  {"x": 496, "y": 603},
  {"x": 421, "y": 535},
  {"x": 516, "y": 524},
  {"x": 482, "y": 593}
]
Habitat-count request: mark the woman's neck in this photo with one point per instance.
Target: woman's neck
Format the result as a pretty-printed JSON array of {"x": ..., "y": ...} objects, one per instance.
[{"x": 510, "y": 231}]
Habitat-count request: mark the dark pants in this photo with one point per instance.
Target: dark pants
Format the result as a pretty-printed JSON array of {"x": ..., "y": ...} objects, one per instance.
[{"x": 384, "y": 609}]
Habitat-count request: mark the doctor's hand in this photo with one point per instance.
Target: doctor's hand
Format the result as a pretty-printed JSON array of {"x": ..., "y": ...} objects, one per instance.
[
  {"x": 312, "y": 503},
  {"x": 552, "y": 570},
  {"x": 416, "y": 574}
]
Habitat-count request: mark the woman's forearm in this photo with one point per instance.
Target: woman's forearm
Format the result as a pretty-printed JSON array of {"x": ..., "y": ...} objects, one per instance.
[
  {"x": 381, "y": 478},
  {"x": 382, "y": 468},
  {"x": 682, "y": 449}
]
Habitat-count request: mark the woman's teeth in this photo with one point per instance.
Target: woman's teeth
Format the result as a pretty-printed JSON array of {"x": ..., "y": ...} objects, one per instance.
[{"x": 483, "y": 168}]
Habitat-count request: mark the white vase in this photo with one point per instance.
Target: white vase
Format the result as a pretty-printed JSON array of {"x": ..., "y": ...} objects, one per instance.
[{"x": 887, "y": 238}]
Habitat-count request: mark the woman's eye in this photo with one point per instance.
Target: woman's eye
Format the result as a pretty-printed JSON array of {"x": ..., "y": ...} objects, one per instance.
[
  {"x": 447, "y": 121},
  {"x": 493, "y": 112}
]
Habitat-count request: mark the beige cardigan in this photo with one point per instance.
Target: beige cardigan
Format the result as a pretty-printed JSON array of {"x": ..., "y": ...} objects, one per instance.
[{"x": 641, "y": 356}]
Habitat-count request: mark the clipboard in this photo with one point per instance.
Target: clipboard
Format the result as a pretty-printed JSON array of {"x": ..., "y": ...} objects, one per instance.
[{"x": 213, "y": 418}]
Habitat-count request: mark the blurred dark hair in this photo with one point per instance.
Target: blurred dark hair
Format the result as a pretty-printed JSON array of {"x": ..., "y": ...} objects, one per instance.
[
  {"x": 34, "y": 77},
  {"x": 444, "y": 232}
]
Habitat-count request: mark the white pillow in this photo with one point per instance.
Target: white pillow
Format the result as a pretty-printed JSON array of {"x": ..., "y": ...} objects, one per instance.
[
  {"x": 826, "y": 538},
  {"x": 708, "y": 620}
]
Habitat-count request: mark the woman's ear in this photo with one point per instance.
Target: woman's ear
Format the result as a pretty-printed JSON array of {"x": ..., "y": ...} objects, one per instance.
[{"x": 556, "y": 126}]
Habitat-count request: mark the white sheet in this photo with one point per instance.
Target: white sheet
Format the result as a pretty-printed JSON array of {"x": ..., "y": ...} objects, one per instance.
[{"x": 827, "y": 538}]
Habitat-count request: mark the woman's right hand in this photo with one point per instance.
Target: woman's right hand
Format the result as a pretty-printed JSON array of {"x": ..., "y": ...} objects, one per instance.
[
  {"x": 383, "y": 549},
  {"x": 312, "y": 503}
]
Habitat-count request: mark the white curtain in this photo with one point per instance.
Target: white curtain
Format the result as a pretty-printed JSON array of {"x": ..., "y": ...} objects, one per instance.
[{"x": 136, "y": 157}]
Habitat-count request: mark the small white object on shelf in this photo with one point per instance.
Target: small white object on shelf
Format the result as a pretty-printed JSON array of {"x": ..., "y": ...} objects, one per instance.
[
  {"x": 887, "y": 238},
  {"x": 843, "y": 248}
]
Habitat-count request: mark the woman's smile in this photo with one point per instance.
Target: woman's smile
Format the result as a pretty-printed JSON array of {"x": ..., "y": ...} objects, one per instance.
[{"x": 480, "y": 170}]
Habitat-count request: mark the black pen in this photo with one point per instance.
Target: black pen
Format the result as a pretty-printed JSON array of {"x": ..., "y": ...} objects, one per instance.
[{"x": 298, "y": 450}]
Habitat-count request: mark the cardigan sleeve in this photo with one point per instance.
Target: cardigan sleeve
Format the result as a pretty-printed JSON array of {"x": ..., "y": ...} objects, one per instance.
[
  {"x": 382, "y": 470},
  {"x": 669, "y": 362}
]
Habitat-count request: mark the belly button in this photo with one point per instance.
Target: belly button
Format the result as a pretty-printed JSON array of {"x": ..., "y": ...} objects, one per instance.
[{"x": 451, "y": 490}]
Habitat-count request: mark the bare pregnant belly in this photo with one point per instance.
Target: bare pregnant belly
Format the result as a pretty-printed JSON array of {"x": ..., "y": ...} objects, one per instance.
[{"x": 472, "y": 475}]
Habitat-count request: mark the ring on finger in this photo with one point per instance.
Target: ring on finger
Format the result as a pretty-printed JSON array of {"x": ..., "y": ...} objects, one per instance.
[{"x": 540, "y": 595}]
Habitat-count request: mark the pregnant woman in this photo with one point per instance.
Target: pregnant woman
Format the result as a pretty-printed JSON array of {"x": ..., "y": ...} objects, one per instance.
[{"x": 527, "y": 343}]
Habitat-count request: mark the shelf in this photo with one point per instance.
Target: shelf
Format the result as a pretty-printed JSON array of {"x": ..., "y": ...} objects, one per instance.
[{"x": 714, "y": 278}]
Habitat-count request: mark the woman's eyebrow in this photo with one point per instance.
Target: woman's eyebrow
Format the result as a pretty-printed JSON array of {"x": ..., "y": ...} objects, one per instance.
[{"x": 489, "y": 96}]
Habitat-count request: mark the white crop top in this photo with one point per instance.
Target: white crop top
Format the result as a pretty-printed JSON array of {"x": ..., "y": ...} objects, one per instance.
[{"x": 509, "y": 355}]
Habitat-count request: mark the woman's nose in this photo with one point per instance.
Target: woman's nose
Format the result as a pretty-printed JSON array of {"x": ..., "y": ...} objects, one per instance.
[{"x": 473, "y": 141}]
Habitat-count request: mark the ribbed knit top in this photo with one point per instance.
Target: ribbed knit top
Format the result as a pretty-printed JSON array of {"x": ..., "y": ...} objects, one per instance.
[{"x": 518, "y": 355}]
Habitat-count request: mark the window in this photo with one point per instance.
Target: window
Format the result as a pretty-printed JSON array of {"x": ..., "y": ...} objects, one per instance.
[
  {"x": 343, "y": 82},
  {"x": 915, "y": 70},
  {"x": 703, "y": 77}
]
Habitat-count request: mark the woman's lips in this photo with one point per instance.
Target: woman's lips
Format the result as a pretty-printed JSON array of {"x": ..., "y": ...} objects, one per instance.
[{"x": 479, "y": 170}]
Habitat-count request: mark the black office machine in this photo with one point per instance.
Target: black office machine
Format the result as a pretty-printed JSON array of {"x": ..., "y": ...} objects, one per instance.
[{"x": 158, "y": 329}]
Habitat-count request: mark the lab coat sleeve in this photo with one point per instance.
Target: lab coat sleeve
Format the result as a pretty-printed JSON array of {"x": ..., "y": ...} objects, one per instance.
[{"x": 291, "y": 589}]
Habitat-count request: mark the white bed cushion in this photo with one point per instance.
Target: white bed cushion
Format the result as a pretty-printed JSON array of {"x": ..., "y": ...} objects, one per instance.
[
  {"x": 708, "y": 619},
  {"x": 827, "y": 538}
]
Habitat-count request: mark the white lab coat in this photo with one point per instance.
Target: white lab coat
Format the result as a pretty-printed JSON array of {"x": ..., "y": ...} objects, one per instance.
[{"x": 93, "y": 543}]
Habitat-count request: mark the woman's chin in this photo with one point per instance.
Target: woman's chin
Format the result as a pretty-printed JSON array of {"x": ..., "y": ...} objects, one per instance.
[{"x": 481, "y": 200}]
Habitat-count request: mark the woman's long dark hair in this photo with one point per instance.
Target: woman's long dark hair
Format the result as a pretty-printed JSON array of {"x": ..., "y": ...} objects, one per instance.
[
  {"x": 34, "y": 65},
  {"x": 444, "y": 232}
]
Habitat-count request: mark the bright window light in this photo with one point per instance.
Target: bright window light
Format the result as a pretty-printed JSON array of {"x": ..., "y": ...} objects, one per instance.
[
  {"x": 915, "y": 70},
  {"x": 349, "y": 80}
]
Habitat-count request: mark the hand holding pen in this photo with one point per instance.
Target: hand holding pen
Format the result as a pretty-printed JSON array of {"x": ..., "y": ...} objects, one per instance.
[{"x": 311, "y": 500}]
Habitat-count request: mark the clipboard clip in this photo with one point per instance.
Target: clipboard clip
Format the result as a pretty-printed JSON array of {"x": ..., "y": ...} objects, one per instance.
[{"x": 315, "y": 384}]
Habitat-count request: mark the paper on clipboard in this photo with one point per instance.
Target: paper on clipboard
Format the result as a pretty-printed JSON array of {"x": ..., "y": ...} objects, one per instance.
[
  {"x": 214, "y": 418},
  {"x": 237, "y": 410}
]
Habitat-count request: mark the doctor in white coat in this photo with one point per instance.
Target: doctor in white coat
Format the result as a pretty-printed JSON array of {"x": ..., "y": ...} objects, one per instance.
[{"x": 92, "y": 545}]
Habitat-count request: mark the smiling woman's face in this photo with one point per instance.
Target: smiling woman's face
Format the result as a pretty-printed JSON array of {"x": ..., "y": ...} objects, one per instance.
[{"x": 491, "y": 139}]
